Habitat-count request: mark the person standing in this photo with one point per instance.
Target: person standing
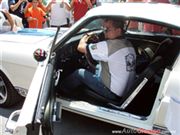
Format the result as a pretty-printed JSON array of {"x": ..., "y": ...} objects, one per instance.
[
  {"x": 78, "y": 8},
  {"x": 45, "y": 8},
  {"x": 35, "y": 15},
  {"x": 17, "y": 7},
  {"x": 5, "y": 7},
  {"x": 59, "y": 15}
]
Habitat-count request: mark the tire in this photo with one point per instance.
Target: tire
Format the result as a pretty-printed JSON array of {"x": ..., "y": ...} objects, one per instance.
[
  {"x": 8, "y": 95},
  {"x": 47, "y": 127}
]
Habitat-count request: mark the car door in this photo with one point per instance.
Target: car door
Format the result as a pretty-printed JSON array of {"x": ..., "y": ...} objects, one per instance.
[
  {"x": 37, "y": 110},
  {"x": 35, "y": 105}
]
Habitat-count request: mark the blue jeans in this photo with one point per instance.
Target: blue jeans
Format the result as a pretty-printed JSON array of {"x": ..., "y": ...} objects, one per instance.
[{"x": 84, "y": 77}]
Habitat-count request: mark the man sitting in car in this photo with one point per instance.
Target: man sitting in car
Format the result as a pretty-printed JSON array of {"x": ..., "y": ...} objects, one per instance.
[{"x": 116, "y": 58}]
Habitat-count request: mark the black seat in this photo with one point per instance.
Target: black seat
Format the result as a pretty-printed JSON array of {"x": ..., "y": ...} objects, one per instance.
[
  {"x": 157, "y": 62},
  {"x": 121, "y": 103},
  {"x": 144, "y": 78}
]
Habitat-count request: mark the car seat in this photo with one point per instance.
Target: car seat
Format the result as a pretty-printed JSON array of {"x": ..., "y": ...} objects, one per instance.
[{"x": 157, "y": 62}]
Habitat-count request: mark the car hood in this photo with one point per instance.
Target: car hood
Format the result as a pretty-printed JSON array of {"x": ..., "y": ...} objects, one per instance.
[{"x": 27, "y": 36}]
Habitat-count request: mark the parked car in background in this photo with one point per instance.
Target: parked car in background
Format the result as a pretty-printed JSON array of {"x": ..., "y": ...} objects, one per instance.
[
  {"x": 152, "y": 100},
  {"x": 17, "y": 63}
]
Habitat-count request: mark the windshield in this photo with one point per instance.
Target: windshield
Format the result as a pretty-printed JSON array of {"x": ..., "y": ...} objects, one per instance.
[{"x": 94, "y": 25}]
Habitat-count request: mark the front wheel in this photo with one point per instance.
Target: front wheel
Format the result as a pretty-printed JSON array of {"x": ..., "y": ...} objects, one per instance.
[{"x": 8, "y": 95}]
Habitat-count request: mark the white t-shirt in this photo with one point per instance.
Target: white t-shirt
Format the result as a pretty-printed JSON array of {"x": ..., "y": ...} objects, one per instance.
[
  {"x": 59, "y": 14},
  {"x": 117, "y": 58},
  {"x": 4, "y": 5}
]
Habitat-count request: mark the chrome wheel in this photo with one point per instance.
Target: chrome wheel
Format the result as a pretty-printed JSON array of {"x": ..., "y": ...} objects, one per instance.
[
  {"x": 3, "y": 91},
  {"x": 8, "y": 95}
]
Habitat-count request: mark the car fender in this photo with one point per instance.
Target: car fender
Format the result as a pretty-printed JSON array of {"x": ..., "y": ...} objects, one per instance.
[
  {"x": 16, "y": 56},
  {"x": 171, "y": 87}
]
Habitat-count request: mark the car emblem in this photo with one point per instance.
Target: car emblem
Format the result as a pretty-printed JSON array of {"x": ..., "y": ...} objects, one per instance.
[{"x": 40, "y": 55}]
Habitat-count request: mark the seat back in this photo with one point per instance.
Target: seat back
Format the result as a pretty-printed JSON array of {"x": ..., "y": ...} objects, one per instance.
[
  {"x": 143, "y": 79},
  {"x": 156, "y": 63},
  {"x": 140, "y": 82}
]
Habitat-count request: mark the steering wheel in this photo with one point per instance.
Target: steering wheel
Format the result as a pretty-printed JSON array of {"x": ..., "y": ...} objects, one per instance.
[
  {"x": 92, "y": 38},
  {"x": 92, "y": 63}
]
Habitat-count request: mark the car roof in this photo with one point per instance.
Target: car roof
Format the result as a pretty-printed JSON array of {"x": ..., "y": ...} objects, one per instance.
[{"x": 156, "y": 12}]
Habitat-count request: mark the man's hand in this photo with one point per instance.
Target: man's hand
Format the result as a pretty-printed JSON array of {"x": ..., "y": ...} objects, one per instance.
[
  {"x": 32, "y": 19},
  {"x": 83, "y": 43}
]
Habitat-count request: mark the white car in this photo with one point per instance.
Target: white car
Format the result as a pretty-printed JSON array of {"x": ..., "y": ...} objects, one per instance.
[
  {"x": 152, "y": 103},
  {"x": 17, "y": 63}
]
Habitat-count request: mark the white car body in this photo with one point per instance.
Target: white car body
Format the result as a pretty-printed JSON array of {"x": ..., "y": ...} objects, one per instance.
[
  {"x": 159, "y": 118},
  {"x": 17, "y": 61}
]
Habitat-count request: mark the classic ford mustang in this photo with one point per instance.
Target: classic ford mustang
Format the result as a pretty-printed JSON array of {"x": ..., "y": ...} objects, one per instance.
[{"x": 153, "y": 99}]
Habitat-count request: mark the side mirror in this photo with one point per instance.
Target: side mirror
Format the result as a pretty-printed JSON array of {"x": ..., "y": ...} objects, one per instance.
[{"x": 40, "y": 55}]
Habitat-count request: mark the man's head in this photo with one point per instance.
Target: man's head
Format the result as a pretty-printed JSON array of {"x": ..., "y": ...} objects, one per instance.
[
  {"x": 35, "y": 3},
  {"x": 113, "y": 28}
]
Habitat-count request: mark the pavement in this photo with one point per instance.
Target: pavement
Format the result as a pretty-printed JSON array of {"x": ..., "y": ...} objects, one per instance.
[{"x": 4, "y": 114}]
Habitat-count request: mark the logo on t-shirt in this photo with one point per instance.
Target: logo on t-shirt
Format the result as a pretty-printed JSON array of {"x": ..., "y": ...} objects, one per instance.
[
  {"x": 94, "y": 47},
  {"x": 130, "y": 62}
]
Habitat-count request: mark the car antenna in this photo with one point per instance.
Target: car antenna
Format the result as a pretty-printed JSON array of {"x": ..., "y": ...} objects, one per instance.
[{"x": 55, "y": 37}]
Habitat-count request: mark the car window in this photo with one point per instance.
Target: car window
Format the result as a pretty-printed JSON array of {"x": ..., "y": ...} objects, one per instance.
[
  {"x": 138, "y": 26},
  {"x": 91, "y": 26},
  {"x": 94, "y": 26}
]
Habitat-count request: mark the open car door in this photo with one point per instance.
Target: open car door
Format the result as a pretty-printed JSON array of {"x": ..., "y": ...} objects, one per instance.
[{"x": 37, "y": 113}]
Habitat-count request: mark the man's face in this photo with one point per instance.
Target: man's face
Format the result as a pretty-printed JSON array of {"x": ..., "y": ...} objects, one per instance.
[
  {"x": 110, "y": 31},
  {"x": 35, "y": 3}
]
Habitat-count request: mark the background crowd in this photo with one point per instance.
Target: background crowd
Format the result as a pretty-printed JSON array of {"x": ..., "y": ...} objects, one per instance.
[
  {"x": 43, "y": 13},
  {"x": 52, "y": 13}
]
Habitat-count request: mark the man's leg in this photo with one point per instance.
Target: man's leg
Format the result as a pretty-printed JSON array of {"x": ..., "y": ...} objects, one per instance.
[{"x": 84, "y": 77}]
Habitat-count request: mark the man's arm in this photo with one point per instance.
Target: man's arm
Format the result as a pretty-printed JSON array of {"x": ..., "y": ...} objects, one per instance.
[
  {"x": 82, "y": 44},
  {"x": 42, "y": 6},
  {"x": 89, "y": 4},
  {"x": 48, "y": 7},
  {"x": 10, "y": 20},
  {"x": 68, "y": 6},
  {"x": 14, "y": 7},
  {"x": 27, "y": 6}
]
